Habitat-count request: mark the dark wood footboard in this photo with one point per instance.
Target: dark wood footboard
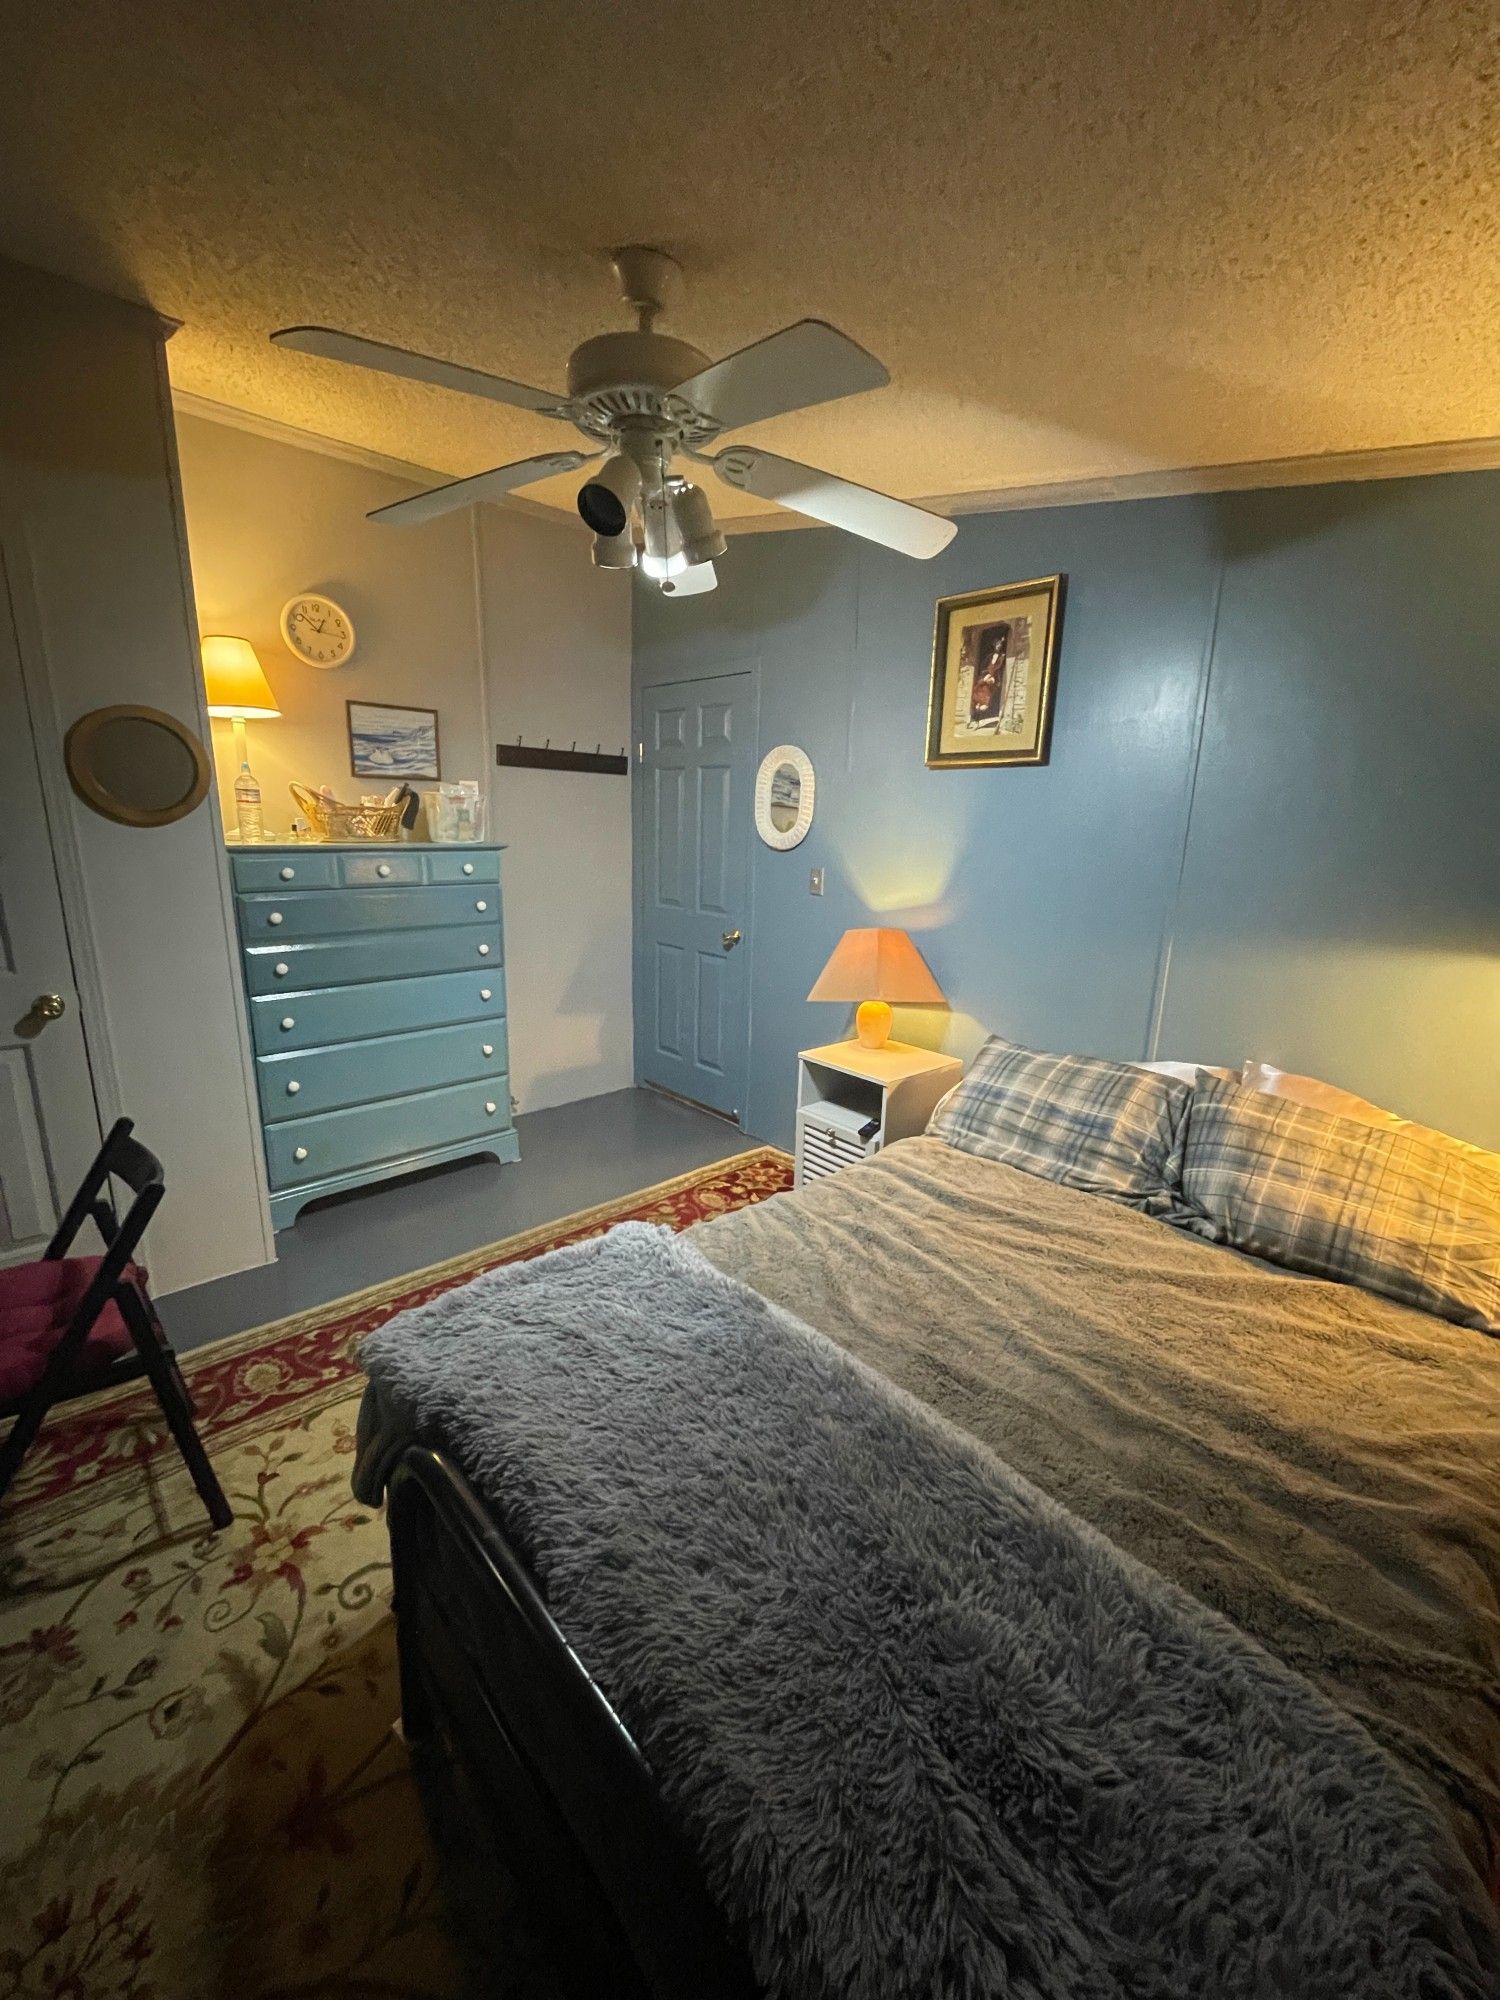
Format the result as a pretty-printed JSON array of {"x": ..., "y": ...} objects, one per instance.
[{"x": 528, "y": 1773}]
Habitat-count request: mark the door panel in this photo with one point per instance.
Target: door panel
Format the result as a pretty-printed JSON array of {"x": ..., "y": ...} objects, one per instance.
[
  {"x": 49, "y": 1127},
  {"x": 694, "y": 788}
]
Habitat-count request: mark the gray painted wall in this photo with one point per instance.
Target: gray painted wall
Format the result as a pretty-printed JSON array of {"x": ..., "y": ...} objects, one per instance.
[{"x": 1271, "y": 821}]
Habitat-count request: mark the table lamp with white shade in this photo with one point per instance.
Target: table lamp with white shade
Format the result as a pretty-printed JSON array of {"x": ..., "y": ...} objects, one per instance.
[
  {"x": 875, "y": 967},
  {"x": 239, "y": 692}
]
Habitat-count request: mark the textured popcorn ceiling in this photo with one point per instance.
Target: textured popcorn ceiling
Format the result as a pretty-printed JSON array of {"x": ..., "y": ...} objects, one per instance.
[{"x": 1087, "y": 238}]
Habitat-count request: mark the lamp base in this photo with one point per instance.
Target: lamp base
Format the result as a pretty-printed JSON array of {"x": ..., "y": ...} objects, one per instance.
[{"x": 872, "y": 1024}]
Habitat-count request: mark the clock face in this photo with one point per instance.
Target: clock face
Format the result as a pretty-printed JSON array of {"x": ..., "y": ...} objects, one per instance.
[{"x": 317, "y": 631}]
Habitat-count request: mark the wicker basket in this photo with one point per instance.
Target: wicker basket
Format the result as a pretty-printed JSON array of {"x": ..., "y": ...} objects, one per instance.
[{"x": 332, "y": 821}]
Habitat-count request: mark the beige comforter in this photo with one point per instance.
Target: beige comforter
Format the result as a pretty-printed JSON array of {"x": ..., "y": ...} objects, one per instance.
[{"x": 1321, "y": 1466}]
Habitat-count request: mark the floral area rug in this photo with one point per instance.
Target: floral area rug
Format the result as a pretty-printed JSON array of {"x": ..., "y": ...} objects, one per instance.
[{"x": 201, "y": 1793}]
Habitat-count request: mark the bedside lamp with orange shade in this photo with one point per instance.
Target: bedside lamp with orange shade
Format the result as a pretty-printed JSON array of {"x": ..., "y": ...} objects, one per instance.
[{"x": 875, "y": 967}]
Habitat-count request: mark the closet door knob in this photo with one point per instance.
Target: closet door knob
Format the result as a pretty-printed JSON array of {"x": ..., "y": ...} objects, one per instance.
[
  {"x": 281, "y": 971},
  {"x": 490, "y": 1107},
  {"x": 288, "y": 1021},
  {"x": 486, "y": 1048},
  {"x": 468, "y": 868},
  {"x": 484, "y": 950},
  {"x": 299, "y": 1152},
  {"x": 383, "y": 868},
  {"x": 484, "y": 993},
  {"x": 287, "y": 874},
  {"x": 274, "y": 918},
  {"x": 481, "y": 906},
  {"x": 293, "y": 1087}
]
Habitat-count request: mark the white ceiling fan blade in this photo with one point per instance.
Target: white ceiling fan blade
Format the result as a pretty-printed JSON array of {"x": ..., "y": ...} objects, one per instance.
[
  {"x": 810, "y": 362},
  {"x": 896, "y": 524},
  {"x": 331, "y": 345},
  {"x": 492, "y": 485},
  {"x": 691, "y": 582}
]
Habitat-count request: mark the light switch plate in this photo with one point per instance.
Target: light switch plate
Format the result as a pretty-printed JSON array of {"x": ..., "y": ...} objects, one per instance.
[{"x": 815, "y": 882}]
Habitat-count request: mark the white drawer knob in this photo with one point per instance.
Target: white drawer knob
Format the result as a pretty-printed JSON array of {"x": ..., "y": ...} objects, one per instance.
[
  {"x": 484, "y": 993},
  {"x": 287, "y": 874},
  {"x": 282, "y": 970},
  {"x": 490, "y": 1107},
  {"x": 486, "y": 1048},
  {"x": 484, "y": 950},
  {"x": 274, "y": 918},
  {"x": 383, "y": 868},
  {"x": 468, "y": 868},
  {"x": 293, "y": 1087},
  {"x": 288, "y": 1021},
  {"x": 299, "y": 1152},
  {"x": 481, "y": 906}
]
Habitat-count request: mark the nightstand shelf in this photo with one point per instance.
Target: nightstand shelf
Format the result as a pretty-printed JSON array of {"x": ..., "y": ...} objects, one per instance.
[{"x": 851, "y": 1101}]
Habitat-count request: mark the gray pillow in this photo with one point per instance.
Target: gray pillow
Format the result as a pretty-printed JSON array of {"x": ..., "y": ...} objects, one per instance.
[{"x": 1108, "y": 1128}]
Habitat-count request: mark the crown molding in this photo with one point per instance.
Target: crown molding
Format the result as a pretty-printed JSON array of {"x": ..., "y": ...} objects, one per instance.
[
  {"x": 1401, "y": 461},
  {"x": 188, "y": 404}
]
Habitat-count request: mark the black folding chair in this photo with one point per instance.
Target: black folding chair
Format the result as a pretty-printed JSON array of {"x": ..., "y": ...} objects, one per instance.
[{"x": 71, "y": 1325}]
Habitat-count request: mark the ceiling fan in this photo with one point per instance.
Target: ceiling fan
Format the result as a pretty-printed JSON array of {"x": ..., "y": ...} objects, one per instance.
[{"x": 644, "y": 398}]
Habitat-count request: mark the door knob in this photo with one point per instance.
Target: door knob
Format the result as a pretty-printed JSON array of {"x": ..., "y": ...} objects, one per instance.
[
  {"x": 46, "y": 1007},
  {"x": 731, "y": 939}
]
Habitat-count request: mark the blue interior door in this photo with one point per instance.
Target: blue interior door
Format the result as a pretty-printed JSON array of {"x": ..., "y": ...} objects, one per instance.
[{"x": 695, "y": 781}]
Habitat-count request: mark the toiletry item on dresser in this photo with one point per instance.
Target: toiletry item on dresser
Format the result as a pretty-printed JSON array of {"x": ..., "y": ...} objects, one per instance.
[
  {"x": 249, "y": 818},
  {"x": 455, "y": 811}
]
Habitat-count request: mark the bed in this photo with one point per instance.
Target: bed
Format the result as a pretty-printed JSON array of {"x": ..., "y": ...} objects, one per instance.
[{"x": 1313, "y": 1464}]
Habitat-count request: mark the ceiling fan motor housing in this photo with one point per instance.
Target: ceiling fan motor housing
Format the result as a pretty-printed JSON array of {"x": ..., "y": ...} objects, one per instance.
[{"x": 624, "y": 381}]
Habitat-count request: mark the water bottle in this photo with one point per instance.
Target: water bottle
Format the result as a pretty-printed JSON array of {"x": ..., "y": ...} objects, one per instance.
[{"x": 247, "y": 805}]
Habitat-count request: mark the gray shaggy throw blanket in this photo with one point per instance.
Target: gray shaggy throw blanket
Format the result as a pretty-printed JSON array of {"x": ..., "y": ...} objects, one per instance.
[{"x": 929, "y": 1734}]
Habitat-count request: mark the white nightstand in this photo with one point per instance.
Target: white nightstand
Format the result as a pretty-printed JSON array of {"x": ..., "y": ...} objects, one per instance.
[{"x": 851, "y": 1101}]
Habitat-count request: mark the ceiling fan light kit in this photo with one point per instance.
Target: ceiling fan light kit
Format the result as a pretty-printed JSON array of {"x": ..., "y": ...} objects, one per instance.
[{"x": 642, "y": 397}]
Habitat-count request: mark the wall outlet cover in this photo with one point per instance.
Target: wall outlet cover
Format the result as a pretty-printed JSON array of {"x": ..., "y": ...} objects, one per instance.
[{"x": 815, "y": 882}]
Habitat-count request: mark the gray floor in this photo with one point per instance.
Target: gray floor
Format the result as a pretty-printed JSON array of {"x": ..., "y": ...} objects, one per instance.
[{"x": 571, "y": 1158}]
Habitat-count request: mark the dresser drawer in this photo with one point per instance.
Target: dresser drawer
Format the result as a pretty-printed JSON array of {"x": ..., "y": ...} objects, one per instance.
[
  {"x": 287, "y": 967},
  {"x": 455, "y": 864},
  {"x": 339, "y": 912},
  {"x": 293, "y": 1020},
  {"x": 300, "y": 1082},
  {"x": 301, "y": 868},
  {"x": 312, "y": 1149}
]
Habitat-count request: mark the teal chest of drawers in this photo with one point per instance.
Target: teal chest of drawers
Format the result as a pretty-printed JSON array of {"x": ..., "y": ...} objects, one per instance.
[{"x": 375, "y": 978}]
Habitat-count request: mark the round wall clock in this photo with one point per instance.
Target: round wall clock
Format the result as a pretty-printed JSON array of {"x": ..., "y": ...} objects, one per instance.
[
  {"x": 784, "y": 796},
  {"x": 317, "y": 630}
]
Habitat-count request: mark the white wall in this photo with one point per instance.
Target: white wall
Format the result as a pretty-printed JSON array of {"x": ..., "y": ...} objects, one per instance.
[
  {"x": 95, "y": 547},
  {"x": 556, "y": 643},
  {"x": 496, "y": 619},
  {"x": 268, "y": 518}
]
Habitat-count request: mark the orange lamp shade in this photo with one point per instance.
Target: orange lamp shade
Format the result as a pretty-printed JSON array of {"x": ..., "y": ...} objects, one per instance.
[
  {"x": 236, "y": 684},
  {"x": 875, "y": 967}
]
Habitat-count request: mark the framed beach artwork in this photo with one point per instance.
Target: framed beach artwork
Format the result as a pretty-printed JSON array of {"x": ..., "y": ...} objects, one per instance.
[
  {"x": 396, "y": 744},
  {"x": 994, "y": 659}
]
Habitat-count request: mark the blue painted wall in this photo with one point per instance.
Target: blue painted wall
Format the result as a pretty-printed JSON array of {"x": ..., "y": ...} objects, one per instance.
[{"x": 1271, "y": 821}]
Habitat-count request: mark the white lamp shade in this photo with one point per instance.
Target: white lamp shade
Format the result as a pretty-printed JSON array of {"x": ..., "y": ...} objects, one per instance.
[{"x": 236, "y": 684}]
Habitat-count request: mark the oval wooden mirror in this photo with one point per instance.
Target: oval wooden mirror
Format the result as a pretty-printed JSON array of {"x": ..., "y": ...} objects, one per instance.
[{"x": 137, "y": 765}]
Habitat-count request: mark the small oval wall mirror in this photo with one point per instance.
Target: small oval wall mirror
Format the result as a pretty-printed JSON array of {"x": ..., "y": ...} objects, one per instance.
[
  {"x": 784, "y": 790},
  {"x": 136, "y": 765}
]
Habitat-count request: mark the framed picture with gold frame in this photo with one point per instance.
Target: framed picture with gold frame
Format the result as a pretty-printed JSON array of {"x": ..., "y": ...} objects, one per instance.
[{"x": 994, "y": 675}]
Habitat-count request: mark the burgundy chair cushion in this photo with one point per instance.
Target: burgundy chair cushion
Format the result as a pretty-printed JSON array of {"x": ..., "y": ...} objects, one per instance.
[{"x": 36, "y": 1303}]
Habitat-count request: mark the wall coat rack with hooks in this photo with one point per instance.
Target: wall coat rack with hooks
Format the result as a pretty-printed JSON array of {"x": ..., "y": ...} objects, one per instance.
[{"x": 542, "y": 757}]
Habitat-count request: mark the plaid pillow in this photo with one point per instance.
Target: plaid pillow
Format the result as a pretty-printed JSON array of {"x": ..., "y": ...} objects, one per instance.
[
  {"x": 1108, "y": 1128},
  {"x": 1406, "y": 1213}
]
